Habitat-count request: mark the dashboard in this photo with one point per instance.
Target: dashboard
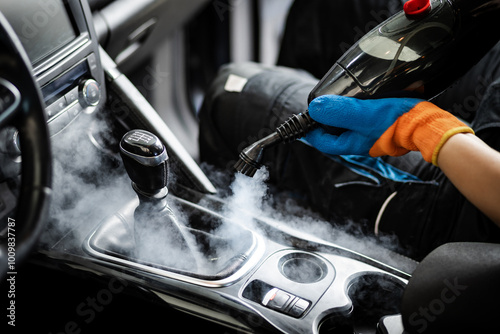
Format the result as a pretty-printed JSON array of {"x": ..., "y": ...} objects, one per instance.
[{"x": 62, "y": 47}]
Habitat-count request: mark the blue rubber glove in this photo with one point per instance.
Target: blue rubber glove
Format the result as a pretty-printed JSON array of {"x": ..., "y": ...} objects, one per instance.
[{"x": 376, "y": 127}]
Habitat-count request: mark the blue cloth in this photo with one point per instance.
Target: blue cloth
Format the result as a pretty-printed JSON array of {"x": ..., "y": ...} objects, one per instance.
[
  {"x": 374, "y": 169},
  {"x": 363, "y": 165}
]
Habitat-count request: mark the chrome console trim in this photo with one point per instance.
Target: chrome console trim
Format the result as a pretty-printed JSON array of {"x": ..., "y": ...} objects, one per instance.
[{"x": 250, "y": 264}]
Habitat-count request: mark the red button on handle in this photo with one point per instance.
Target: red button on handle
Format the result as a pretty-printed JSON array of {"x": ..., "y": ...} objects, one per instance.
[{"x": 417, "y": 7}]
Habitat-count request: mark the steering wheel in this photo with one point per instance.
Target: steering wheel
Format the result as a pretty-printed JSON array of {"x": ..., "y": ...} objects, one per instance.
[{"x": 22, "y": 107}]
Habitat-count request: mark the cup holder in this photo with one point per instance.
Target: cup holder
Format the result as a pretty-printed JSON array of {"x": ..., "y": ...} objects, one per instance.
[
  {"x": 302, "y": 268},
  {"x": 373, "y": 296}
]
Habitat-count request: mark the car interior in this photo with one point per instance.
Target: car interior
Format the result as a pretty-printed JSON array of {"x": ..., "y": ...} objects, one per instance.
[{"x": 109, "y": 220}]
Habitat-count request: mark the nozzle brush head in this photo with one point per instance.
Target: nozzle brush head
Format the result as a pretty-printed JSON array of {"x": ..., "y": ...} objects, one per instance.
[{"x": 246, "y": 166}]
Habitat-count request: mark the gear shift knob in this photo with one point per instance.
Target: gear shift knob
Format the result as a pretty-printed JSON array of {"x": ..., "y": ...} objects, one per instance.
[{"x": 145, "y": 159}]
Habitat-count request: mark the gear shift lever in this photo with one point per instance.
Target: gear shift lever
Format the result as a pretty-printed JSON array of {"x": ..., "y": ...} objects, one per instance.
[
  {"x": 145, "y": 159},
  {"x": 158, "y": 234}
]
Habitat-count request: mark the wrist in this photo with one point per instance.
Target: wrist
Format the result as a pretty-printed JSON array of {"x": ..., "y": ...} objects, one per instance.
[
  {"x": 427, "y": 128},
  {"x": 452, "y": 149},
  {"x": 463, "y": 130}
]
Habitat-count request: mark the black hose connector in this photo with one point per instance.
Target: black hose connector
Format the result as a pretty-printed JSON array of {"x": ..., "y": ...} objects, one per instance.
[{"x": 295, "y": 127}]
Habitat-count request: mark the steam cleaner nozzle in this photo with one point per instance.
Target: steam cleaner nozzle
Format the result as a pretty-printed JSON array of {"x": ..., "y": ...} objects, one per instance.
[{"x": 250, "y": 159}]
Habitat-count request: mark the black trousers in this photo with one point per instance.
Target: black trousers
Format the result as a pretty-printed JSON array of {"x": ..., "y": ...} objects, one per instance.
[{"x": 404, "y": 196}]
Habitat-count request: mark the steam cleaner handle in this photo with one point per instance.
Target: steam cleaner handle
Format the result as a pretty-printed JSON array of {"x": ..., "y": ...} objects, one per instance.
[
  {"x": 377, "y": 127},
  {"x": 145, "y": 159}
]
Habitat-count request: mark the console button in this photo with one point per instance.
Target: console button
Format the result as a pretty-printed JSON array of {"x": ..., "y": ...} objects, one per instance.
[
  {"x": 72, "y": 96},
  {"x": 51, "y": 111},
  {"x": 92, "y": 61},
  {"x": 299, "y": 308},
  {"x": 285, "y": 302},
  {"x": 91, "y": 92},
  {"x": 74, "y": 111},
  {"x": 277, "y": 299},
  {"x": 56, "y": 107},
  {"x": 59, "y": 123},
  {"x": 60, "y": 104}
]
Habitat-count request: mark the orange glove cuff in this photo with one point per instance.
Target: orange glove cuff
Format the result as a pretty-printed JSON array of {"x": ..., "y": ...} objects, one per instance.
[{"x": 424, "y": 128}]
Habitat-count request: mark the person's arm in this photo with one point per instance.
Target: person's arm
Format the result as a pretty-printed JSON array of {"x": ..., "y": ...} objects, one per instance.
[
  {"x": 474, "y": 168},
  {"x": 396, "y": 126}
]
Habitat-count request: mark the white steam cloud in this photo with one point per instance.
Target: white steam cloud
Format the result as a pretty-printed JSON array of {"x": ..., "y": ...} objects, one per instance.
[
  {"x": 250, "y": 198},
  {"x": 88, "y": 186}
]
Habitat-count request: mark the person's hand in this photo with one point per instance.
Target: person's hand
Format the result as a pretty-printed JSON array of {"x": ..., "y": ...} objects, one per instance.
[{"x": 377, "y": 127}]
